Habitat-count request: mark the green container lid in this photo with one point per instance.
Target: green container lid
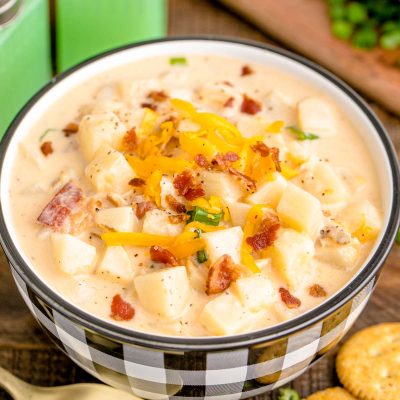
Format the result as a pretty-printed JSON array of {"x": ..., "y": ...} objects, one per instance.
[{"x": 85, "y": 28}]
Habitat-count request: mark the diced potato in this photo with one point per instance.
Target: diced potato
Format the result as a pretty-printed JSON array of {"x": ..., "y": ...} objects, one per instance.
[
  {"x": 157, "y": 223},
  {"x": 221, "y": 185},
  {"x": 167, "y": 188},
  {"x": 96, "y": 130},
  {"x": 325, "y": 184},
  {"x": 224, "y": 315},
  {"x": 250, "y": 126},
  {"x": 316, "y": 116},
  {"x": 280, "y": 107},
  {"x": 109, "y": 171},
  {"x": 298, "y": 152},
  {"x": 362, "y": 219},
  {"x": 197, "y": 276},
  {"x": 291, "y": 256},
  {"x": 238, "y": 212},
  {"x": 270, "y": 192},
  {"x": 72, "y": 255},
  {"x": 165, "y": 292},
  {"x": 120, "y": 219},
  {"x": 343, "y": 257},
  {"x": 226, "y": 241},
  {"x": 116, "y": 265},
  {"x": 255, "y": 292},
  {"x": 300, "y": 210}
]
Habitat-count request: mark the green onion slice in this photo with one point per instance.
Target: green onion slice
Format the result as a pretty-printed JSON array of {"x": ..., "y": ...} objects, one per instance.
[
  {"x": 201, "y": 215},
  {"x": 46, "y": 132},
  {"x": 178, "y": 61},
  {"x": 300, "y": 135}
]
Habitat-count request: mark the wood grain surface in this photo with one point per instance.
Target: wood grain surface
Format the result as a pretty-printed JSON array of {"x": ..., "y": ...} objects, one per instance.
[
  {"x": 306, "y": 28},
  {"x": 27, "y": 352}
]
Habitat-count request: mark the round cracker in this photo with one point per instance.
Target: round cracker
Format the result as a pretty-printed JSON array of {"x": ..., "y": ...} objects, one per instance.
[
  {"x": 368, "y": 364},
  {"x": 335, "y": 393}
]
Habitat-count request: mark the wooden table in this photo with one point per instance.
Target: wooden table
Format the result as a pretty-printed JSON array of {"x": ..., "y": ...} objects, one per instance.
[{"x": 27, "y": 352}]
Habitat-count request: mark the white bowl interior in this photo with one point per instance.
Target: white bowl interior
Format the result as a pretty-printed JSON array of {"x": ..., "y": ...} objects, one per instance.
[{"x": 197, "y": 46}]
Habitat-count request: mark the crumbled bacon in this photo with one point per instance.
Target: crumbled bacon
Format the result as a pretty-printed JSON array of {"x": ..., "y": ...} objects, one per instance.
[
  {"x": 130, "y": 140},
  {"x": 61, "y": 206},
  {"x": 152, "y": 106},
  {"x": 229, "y": 102},
  {"x": 157, "y": 95},
  {"x": 143, "y": 207},
  {"x": 250, "y": 106},
  {"x": 175, "y": 204},
  {"x": 161, "y": 255},
  {"x": 289, "y": 300},
  {"x": 266, "y": 234},
  {"x": 201, "y": 161},
  {"x": 266, "y": 151},
  {"x": 316, "y": 291},
  {"x": 249, "y": 182},
  {"x": 178, "y": 219},
  {"x": 121, "y": 310},
  {"x": 246, "y": 70},
  {"x": 46, "y": 148},
  {"x": 71, "y": 129},
  {"x": 186, "y": 186},
  {"x": 137, "y": 182},
  {"x": 221, "y": 274},
  {"x": 222, "y": 162}
]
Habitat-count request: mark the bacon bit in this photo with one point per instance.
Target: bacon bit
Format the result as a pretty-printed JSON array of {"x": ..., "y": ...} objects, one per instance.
[
  {"x": 143, "y": 207},
  {"x": 137, "y": 182},
  {"x": 221, "y": 161},
  {"x": 158, "y": 96},
  {"x": 121, "y": 310},
  {"x": 175, "y": 204},
  {"x": 316, "y": 291},
  {"x": 130, "y": 140},
  {"x": 152, "y": 107},
  {"x": 221, "y": 274},
  {"x": 231, "y": 156},
  {"x": 227, "y": 83},
  {"x": 178, "y": 219},
  {"x": 266, "y": 234},
  {"x": 249, "y": 105},
  {"x": 201, "y": 161},
  {"x": 289, "y": 300},
  {"x": 229, "y": 103},
  {"x": 71, "y": 129},
  {"x": 266, "y": 151},
  {"x": 46, "y": 148},
  {"x": 246, "y": 70},
  {"x": 61, "y": 206},
  {"x": 186, "y": 186},
  {"x": 161, "y": 255},
  {"x": 250, "y": 183}
]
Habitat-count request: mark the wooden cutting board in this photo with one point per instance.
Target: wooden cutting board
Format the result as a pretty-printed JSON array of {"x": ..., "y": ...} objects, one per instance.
[{"x": 304, "y": 25}]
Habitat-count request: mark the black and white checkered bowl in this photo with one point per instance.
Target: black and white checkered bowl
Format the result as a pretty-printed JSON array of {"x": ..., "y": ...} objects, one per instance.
[{"x": 234, "y": 367}]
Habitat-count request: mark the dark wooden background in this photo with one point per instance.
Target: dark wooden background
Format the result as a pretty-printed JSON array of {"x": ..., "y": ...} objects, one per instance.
[{"x": 28, "y": 353}]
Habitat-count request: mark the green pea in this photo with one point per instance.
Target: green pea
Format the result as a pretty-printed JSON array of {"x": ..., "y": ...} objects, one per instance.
[
  {"x": 342, "y": 29},
  {"x": 365, "y": 38},
  {"x": 338, "y": 11},
  {"x": 357, "y": 13},
  {"x": 390, "y": 40},
  {"x": 390, "y": 26}
]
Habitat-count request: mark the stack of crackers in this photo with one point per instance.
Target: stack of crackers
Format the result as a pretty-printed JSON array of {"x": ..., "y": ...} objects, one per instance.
[{"x": 368, "y": 366}]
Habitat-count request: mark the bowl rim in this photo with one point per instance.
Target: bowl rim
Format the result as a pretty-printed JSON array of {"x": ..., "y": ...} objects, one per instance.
[{"x": 273, "y": 333}]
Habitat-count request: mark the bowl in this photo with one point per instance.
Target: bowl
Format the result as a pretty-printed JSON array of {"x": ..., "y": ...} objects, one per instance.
[{"x": 234, "y": 367}]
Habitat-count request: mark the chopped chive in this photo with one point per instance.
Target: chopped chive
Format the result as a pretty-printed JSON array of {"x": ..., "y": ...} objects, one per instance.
[
  {"x": 46, "y": 132},
  {"x": 300, "y": 135},
  {"x": 178, "y": 61},
  {"x": 201, "y": 215},
  {"x": 288, "y": 394},
  {"x": 202, "y": 256},
  {"x": 398, "y": 237}
]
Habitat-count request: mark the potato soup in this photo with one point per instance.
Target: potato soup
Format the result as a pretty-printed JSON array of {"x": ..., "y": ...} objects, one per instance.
[{"x": 195, "y": 196}]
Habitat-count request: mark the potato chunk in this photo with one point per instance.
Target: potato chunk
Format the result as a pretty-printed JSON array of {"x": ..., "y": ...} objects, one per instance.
[
  {"x": 316, "y": 116},
  {"x": 116, "y": 265},
  {"x": 165, "y": 292},
  {"x": 291, "y": 256},
  {"x": 238, "y": 212},
  {"x": 270, "y": 192},
  {"x": 300, "y": 210},
  {"x": 157, "y": 222},
  {"x": 109, "y": 171},
  {"x": 255, "y": 292},
  {"x": 224, "y": 315},
  {"x": 72, "y": 255},
  {"x": 342, "y": 257},
  {"x": 120, "y": 219},
  {"x": 96, "y": 130},
  {"x": 221, "y": 185},
  {"x": 226, "y": 241}
]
